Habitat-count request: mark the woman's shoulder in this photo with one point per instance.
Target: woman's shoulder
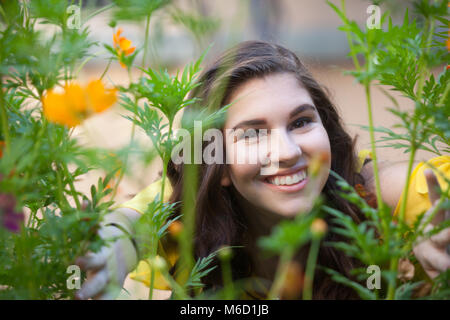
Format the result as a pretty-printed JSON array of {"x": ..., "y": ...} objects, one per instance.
[
  {"x": 392, "y": 182},
  {"x": 141, "y": 200}
]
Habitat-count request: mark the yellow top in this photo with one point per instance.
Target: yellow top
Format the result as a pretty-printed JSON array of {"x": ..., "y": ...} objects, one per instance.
[{"x": 418, "y": 202}]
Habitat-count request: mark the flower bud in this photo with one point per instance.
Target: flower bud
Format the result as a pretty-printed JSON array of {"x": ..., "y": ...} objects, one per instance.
[
  {"x": 319, "y": 227},
  {"x": 175, "y": 228},
  {"x": 316, "y": 163},
  {"x": 225, "y": 253}
]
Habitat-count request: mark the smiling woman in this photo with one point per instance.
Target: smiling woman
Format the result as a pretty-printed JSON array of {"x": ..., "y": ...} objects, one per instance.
[
  {"x": 273, "y": 99},
  {"x": 270, "y": 92}
]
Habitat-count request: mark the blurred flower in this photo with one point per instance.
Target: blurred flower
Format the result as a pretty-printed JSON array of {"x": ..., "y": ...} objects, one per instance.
[
  {"x": 11, "y": 220},
  {"x": 175, "y": 228},
  {"x": 293, "y": 284},
  {"x": 448, "y": 41},
  {"x": 360, "y": 190},
  {"x": 316, "y": 164},
  {"x": 319, "y": 227},
  {"x": 122, "y": 46},
  {"x": 369, "y": 197},
  {"x": 76, "y": 103},
  {"x": 2, "y": 144}
]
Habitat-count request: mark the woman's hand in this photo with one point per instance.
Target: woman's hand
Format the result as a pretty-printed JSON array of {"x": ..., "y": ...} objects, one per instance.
[
  {"x": 431, "y": 252},
  {"x": 107, "y": 268}
]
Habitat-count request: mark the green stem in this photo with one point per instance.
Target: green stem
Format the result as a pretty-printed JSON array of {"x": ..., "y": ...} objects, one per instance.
[
  {"x": 419, "y": 93},
  {"x": 178, "y": 291},
  {"x": 106, "y": 69},
  {"x": 280, "y": 275},
  {"x": 4, "y": 15},
  {"x": 227, "y": 279},
  {"x": 71, "y": 185},
  {"x": 310, "y": 268},
  {"x": 349, "y": 40},
  {"x": 190, "y": 185},
  {"x": 4, "y": 119},
  {"x": 109, "y": 6},
  {"x": 372, "y": 144},
  {"x": 444, "y": 95},
  {"x": 63, "y": 203},
  {"x": 165, "y": 163},
  {"x": 31, "y": 171},
  {"x": 152, "y": 271},
  {"x": 122, "y": 172},
  {"x": 147, "y": 31},
  {"x": 423, "y": 71},
  {"x": 83, "y": 63},
  {"x": 163, "y": 183}
]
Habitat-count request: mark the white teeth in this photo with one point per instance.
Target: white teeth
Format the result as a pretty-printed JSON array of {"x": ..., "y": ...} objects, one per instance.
[
  {"x": 302, "y": 174},
  {"x": 288, "y": 180}
]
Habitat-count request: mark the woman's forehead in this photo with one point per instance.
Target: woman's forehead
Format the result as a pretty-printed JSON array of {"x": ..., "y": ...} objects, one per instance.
[{"x": 271, "y": 97}]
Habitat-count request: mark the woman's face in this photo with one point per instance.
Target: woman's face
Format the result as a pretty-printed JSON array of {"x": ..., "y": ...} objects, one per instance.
[{"x": 295, "y": 134}]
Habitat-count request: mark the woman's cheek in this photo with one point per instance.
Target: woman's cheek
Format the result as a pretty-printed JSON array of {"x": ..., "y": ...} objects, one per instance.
[{"x": 242, "y": 153}]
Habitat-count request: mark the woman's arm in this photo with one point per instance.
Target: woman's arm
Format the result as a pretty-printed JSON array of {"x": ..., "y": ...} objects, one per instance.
[
  {"x": 392, "y": 180},
  {"x": 108, "y": 268},
  {"x": 430, "y": 252}
]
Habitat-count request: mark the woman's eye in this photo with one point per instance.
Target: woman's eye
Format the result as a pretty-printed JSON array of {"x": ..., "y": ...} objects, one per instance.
[{"x": 301, "y": 122}]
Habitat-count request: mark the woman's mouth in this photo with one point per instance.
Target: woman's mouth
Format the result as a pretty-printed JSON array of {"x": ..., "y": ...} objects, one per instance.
[{"x": 288, "y": 183}]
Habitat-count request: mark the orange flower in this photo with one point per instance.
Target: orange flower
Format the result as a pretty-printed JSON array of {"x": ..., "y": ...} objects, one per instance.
[
  {"x": 448, "y": 40},
  {"x": 175, "y": 228},
  {"x": 99, "y": 97},
  {"x": 122, "y": 46},
  {"x": 75, "y": 103}
]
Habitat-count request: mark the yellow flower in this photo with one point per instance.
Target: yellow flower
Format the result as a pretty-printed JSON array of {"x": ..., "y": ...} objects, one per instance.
[
  {"x": 122, "y": 46},
  {"x": 75, "y": 103}
]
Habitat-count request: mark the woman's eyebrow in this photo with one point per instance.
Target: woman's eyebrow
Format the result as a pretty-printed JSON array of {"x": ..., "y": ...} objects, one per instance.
[
  {"x": 255, "y": 122},
  {"x": 301, "y": 109}
]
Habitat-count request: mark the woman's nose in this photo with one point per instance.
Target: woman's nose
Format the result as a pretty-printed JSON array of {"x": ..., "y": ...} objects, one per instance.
[{"x": 284, "y": 150}]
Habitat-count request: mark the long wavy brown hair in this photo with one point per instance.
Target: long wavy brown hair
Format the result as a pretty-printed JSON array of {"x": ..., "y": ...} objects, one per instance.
[{"x": 219, "y": 219}]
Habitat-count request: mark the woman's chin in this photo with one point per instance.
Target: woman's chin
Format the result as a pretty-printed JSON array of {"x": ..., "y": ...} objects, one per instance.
[{"x": 294, "y": 211}]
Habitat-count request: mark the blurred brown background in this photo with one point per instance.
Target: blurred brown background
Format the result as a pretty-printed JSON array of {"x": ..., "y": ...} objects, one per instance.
[{"x": 308, "y": 27}]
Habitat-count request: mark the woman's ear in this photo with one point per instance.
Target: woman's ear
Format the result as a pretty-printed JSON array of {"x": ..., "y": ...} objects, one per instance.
[{"x": 225, "y": 181}]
